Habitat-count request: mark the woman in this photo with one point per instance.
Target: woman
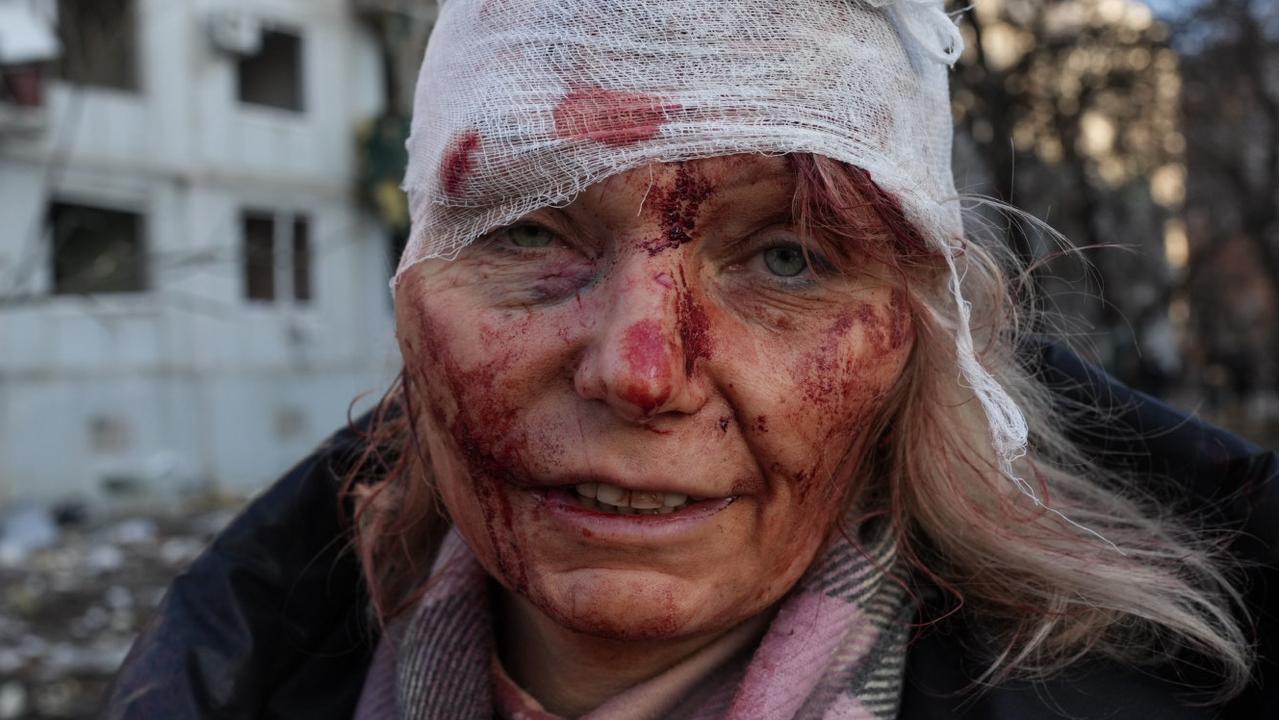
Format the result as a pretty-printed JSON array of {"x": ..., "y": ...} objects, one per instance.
[{"x": 708, "y": 400}]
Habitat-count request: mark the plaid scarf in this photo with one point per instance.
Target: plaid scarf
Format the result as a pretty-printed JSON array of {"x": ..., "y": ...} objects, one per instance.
[{"x": 835, "y": 650}]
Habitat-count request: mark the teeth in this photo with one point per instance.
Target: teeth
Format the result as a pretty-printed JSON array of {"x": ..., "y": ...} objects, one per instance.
[
  {"x": 615, "y": 499},
  {"x": 646, "y": 501},
  {"x": 613, "y": 495}
]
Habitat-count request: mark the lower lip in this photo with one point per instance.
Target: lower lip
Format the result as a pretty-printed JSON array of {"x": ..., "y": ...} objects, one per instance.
[{"x": 563, "y": 506}]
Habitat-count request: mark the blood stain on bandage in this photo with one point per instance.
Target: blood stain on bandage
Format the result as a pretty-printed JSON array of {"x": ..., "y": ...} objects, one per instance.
[
  {"x": 459, "y": 162},
  {"x": 611, "y": 117}
]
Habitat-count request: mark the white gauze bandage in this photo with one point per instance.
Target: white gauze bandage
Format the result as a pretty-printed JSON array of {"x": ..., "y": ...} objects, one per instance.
[{"x": 522, "y": 104}]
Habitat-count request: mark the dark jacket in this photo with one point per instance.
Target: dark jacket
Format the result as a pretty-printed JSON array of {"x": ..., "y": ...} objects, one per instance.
[{"x": 270, "y": 621}]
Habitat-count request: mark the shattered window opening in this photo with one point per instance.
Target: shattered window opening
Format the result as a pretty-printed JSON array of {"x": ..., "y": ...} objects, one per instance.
[
  {"x": 99, "y": 43},
  {"x": 273, "y": 77},
  {"x": 96, "y": 250}
]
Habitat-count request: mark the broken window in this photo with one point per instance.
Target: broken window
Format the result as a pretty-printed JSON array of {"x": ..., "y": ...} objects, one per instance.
[
  {"x": 99, "y": 43},
  {"x": 96, "y": 250},
  {"x": 273, "y": 76},
  {"x": 269, "y": 273}
]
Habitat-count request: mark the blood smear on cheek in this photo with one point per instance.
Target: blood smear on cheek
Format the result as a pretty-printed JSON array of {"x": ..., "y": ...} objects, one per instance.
[
  {"x": 901, "y": 328},
  {"x": 885, "y": 335},
  {"x": 872, "y": 328},
  {"x": 840, "y": 383},
  {"x": 694, "y": 330},
  {"x": 484, "y": 432}
]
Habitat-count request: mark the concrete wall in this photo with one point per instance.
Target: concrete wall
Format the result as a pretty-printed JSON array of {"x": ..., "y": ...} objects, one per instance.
[{"x": 189, "y": 383}]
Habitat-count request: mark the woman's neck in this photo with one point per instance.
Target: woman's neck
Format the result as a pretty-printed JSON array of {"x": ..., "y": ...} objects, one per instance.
[{"x": 571, "y": 673}]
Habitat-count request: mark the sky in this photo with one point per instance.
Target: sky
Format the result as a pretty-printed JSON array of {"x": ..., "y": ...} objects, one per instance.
[{"x": 1164, "y": 8}]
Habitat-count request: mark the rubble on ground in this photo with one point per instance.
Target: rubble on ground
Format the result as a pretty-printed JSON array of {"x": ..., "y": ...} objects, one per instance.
[{"x": 74, "y": 592}]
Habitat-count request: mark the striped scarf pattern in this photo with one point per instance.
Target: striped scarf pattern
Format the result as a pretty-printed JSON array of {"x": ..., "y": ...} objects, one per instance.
[{"x": 835, "y": 650}]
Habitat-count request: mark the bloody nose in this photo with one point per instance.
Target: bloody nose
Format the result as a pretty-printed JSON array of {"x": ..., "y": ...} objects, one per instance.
[{"x": 647, "y": 363}]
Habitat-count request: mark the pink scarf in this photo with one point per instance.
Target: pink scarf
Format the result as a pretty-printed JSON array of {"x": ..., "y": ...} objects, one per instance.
[{"x": 835, "y": 650}]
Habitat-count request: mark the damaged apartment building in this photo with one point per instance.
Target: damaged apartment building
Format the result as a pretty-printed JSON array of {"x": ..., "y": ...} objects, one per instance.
[{"x": 197, "y": 219}]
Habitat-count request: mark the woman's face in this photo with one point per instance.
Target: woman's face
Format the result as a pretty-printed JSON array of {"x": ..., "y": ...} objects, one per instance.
[{"x": 662, "y": 345}]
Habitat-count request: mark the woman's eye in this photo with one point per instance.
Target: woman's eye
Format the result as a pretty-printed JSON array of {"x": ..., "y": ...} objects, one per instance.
[
  {"x": 530, "y": 236},
  {"x": 785, "y": 260}
]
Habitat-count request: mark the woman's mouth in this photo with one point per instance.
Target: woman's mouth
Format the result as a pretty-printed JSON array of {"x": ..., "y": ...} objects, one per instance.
[
  {"x": 620, "y": 501},
  {"x": 605, "y": 513}
]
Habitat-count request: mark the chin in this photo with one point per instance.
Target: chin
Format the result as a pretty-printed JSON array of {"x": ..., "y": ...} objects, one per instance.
[{"x": 623, "y": 604}]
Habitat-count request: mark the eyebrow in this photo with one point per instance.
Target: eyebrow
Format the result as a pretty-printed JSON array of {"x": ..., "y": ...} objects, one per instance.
[
  {"x": 759, "y": 214},
  {"x": 747, "y": 178}
]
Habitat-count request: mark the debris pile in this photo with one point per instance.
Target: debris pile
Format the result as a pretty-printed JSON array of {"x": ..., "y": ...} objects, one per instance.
[{"x": 75, "y": 591}]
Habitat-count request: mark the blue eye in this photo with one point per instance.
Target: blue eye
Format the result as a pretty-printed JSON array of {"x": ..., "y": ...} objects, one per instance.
[
  {"x": 530, "y": 236},
  {"x": 785, "y": 260}
]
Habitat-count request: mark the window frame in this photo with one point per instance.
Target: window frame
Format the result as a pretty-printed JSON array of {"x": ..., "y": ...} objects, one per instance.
[{"x": 285, "y": 226}]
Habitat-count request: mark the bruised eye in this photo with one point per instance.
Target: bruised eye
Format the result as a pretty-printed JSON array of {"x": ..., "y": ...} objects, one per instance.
[
  {"x": 785, "y": 260},
  {"x": 530, "y": 236}
]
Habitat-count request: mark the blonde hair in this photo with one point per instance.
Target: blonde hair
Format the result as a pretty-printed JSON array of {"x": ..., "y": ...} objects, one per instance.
[
  {"x": 1050, "y": 589},
  {"x": 1090, "y": 563}
]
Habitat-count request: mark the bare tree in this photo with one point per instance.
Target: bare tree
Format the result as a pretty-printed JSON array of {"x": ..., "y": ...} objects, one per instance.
[
  {"x": 1069, "y": 108},
  {"x": 1231, "y": 118}
]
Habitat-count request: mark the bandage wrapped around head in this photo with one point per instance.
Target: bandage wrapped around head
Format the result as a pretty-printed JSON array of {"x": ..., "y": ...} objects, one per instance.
[{"x": 523, "y": 104}]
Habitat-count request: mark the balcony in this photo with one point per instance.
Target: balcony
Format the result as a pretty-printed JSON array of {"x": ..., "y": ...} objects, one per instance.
[
  {"x": 22, "y": 110},
  {"x": 27, "y": 43}
]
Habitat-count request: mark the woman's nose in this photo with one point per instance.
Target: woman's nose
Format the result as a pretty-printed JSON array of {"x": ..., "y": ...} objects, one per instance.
[{"x": 636, "y": 360}]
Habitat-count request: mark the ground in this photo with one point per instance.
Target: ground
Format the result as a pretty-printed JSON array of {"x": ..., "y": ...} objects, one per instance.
[{"x": 74, "y": 592}]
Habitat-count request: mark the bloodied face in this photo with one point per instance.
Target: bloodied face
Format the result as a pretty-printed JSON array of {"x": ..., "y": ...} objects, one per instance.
[{"x": 644, "y": 409}]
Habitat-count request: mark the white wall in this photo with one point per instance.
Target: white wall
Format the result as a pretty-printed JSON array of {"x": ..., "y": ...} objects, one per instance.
[{"x": 211, "y": 387}]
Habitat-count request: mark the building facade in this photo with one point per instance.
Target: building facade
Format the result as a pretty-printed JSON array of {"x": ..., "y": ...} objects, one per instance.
[{"x": 191, "y": 295}]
